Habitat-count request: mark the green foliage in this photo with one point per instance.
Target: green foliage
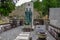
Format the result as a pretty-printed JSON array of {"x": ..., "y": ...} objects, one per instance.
[
  {"x": 38, "y": 6},
  {"x": 6, "y": 7},
  {"x": 50, "y": 4},
  {"x": 45, "y": 5}
]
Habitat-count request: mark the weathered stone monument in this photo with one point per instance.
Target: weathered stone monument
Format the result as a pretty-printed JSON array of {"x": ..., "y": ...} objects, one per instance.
[
  {"x": 54, "y": 16},
  {"x": 28, "y": 12}
]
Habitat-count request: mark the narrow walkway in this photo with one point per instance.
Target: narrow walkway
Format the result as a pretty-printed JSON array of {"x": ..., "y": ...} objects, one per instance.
[
  {"x": 10, "y": 34},
  {"x": 49, "y": 36},
  {"x": 13, "y": 33}
]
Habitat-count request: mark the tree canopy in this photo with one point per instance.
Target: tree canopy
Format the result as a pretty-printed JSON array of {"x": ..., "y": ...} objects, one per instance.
[
  {"x": 38, "y": 6},
  {"x": 6, "y": 7},
  {"x": 45, "y": 5}
]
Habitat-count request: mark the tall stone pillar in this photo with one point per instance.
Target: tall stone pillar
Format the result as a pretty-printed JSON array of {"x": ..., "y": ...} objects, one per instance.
[{"x": 29, "y": 12}]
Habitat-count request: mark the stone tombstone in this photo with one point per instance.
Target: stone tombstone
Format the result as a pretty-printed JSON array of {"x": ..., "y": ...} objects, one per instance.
[
  {"x": 54, "y": 16},
  {"x": 54, "y": 13}
]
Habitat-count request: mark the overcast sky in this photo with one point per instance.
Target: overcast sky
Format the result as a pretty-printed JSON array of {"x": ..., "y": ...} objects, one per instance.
[{"x": 20, "y": 2}]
